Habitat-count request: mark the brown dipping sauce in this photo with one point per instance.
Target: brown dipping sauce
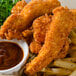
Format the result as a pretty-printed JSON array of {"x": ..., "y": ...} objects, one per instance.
[{"x": 10, "y": 55}]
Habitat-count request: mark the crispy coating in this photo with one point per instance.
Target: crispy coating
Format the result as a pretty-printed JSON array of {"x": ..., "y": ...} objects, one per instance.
[
  {"x": 18, "y": 7},
  {"x": 32, "y": 10},
  {"x": 13, "y": 34},
  {"x": 40, "y": 27},
  {"x": 27, "y": 33},
  {"x": 35, "y": 9},
  {"x": 64, "y": 50},
  {"x": 35, "y": 47},
  {"x": 12, "y": 23},
  {"x": 56, "y": 36},
  {"x": 74, "y": 13}
]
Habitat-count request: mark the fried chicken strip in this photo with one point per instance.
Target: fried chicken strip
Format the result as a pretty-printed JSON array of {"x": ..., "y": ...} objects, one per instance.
[
  {"x": 40, "y": 27},
  {"x": 32, "y": 10},
  {"x": 13, "y": 23},
  {"x": 18, "y": 7},
  {"x": 56, "y": 36}
]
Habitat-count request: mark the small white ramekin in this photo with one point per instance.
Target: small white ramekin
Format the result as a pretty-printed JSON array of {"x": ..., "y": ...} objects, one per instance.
[{"x": 25, "y": 49}]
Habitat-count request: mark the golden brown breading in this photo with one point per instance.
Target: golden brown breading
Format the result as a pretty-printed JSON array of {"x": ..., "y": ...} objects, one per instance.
[
  {"x": 18, "y": 7},
  {"x": 27, "y": 33},
  {"x": 13, "y": 23},
  {"x": 74, "y": 13},
  {"x": 14, "y": 18},
  {"x": 35, "y": 47},
  {"x": 64, "y": 50},
  {"x": 31, "y": 11},
  {"x": 56, "y": 36},
  {"x": 40, "y": 7},
  {"x": 40, "y": 27},
  {"x": 13, "y": 34}
]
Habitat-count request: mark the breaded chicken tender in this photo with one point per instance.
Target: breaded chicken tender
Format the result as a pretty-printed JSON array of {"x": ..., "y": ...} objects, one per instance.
[
  {"x": 32, "y": 10},
  {"x": 35, "y": 47},
  {"x": 56, "y": 37},
  {"x": 13, "y": 23},
  {"x": 18, "y": 7},
  {"x": 40, "y": 27}
]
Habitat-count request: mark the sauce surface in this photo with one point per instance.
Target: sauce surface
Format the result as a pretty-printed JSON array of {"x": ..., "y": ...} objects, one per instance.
[{"x": 10, "y": 55}]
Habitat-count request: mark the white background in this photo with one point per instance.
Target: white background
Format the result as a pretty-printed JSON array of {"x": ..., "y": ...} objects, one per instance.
[{"x": 69, "y": 3}]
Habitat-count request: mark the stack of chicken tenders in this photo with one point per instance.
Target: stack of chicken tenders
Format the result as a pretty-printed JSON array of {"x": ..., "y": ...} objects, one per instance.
[{"x": 45, "y": 25}]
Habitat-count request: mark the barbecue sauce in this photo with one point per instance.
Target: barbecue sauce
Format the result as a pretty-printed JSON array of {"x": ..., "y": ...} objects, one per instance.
[{"x": 11, "y": 54}]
